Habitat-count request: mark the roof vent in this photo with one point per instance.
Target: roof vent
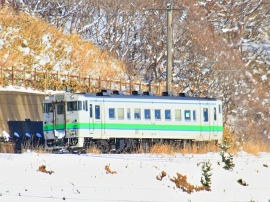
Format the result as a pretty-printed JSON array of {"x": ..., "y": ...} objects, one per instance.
[
  {"x": 134, "y": 92},
  {"x": 99, "y": 94},
  {"x": 106, "y": 92},
  {"x": 166, "y": 93},
  {"x": 182, "y": 95},
  {"x": 116, "y": 92},
  {"x": 148, "y": 93}
]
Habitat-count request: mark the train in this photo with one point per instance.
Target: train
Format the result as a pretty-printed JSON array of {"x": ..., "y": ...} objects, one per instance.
[{"x": 115, "y": 122}]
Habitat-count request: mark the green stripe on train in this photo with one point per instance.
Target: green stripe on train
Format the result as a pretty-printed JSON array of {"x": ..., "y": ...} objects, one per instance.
[{"x": 117, "y": 126}]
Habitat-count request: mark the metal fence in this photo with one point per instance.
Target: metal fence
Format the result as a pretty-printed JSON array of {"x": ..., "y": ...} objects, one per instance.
[{"x": 46, "y": 80}]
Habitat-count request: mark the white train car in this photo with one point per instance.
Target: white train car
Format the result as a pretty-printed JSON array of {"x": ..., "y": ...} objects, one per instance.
[{"x": 113, "y": 121}]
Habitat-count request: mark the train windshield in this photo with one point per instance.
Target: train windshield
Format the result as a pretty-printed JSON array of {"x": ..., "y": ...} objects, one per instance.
[
  {"x": 74, "y": 105},
  {"x": 47, "y": 107}
]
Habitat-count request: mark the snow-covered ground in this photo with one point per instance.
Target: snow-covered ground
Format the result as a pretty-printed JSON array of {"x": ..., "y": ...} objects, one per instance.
[{"x": 84, "y": 177}]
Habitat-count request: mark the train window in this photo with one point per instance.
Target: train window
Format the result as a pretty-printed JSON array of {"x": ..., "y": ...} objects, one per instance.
[
  {"x": 147, "y": 114},
  {"x": 128, "y": 113},
  {"x": 111, "y": 113},
  {"x": 194, "y": 115},
  {"x": 86, "y": 105},
  {"x": 74, "y": 106},
  {"x": 60, "y": 109},
  {"x": 157, "y": 114},
  {"x": 167, "y": 114},
  {"x": 205, "y": 114},
  {"x": 215, "y": 113},
  {"x": 50, "y": 108},
  {"x": 178, "y": 115},
  {"x": 137, "y": 113},
  {"x": 120, "y": 113},
  {"x": 187, "y": 115},
  {"x": 219, "y": 109},
  {"x": 90, "y": 109},
  {"x": 79, "y": 105},
  {"x": 97, "y": 112},
  {"x": 47, "y": 107}
]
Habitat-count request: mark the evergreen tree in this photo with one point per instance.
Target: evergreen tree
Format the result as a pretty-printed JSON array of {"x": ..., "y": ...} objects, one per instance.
[
  {"x": 227, "y": 158},
  {"x": 206, "y": 176}
]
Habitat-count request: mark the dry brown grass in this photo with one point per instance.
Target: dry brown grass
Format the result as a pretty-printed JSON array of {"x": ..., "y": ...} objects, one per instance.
[
  {"x": 109, "y": 171},
  {"x": 194, "y": 148},
  {"x": 161, "y": 175},
  {"x": 93, "y": 150},
  {"x": 253, "y": 147},
  {"x": 162, "y": 149},
  {"x": 199, "y": 148},
  {"x": 249, "y": 146},
  {"x": 6, "y": 147},
  {"x": 42, "y": 151},
  {"x": 17, "y": 31},
  {"x": 43, "y": 169},
  {"x": 182, "y": 183}
]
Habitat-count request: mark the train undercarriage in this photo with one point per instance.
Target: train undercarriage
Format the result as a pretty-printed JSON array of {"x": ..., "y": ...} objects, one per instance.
[{"x": 114, "y": 145}]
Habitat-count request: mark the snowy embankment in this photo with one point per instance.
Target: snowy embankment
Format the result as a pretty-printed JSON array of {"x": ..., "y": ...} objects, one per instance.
[{"x": 131, "y": 177}]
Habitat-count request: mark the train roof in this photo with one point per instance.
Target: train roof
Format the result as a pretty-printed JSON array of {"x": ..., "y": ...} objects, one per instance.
[
  {"x": 108, "y": 94},
  {"x": 146, "y": 95}
]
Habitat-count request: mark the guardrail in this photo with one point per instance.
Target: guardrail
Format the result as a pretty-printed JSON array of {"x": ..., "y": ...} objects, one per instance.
[{"x": 46, "y": 80}]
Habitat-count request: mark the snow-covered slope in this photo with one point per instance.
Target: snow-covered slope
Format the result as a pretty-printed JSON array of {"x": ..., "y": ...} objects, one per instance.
[
  {"x": 133, "y": 177},
  {"x": 27, "y": 42}
]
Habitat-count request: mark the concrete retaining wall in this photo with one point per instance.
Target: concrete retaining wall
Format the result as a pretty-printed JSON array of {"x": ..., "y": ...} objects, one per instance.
[{"x": 17, "y": 105}]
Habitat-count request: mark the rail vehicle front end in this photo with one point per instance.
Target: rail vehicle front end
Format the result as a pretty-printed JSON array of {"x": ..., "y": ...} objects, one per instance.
[{"x": 60, "y": 122}]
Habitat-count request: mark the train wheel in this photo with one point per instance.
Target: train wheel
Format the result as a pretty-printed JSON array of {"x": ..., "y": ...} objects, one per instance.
[{"x": 103, "y": 146}]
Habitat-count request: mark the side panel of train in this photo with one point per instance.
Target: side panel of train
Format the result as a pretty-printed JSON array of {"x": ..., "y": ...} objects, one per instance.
[{"x": 78, "y": 117}]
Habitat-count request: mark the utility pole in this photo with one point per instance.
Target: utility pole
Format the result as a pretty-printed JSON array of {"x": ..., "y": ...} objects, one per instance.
[
  {"x": 169, "y": 10},
  {"x": 169, "y": 49}
]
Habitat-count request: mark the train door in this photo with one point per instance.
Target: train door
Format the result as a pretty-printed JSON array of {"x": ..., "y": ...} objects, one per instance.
[
  {"x": 206, "y": 122},
  {"x": 91, "y": 123},
  {"x": 97, "y": 118},
  {"x": 214, "y": 120},
  {"x": 59, "y": 120}
]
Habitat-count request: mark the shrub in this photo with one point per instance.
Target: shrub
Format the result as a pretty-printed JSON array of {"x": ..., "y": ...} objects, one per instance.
[
  {"x": 206, "y": 176},
  {"x": 227, "y": 158},
  {"x": 242, "y": 182},
  {"x": 181, "y": 183},
  {"x": 109, "y": 171},
  {"x": 42, "y": 169},
  {"x": 161, "y": 175}
]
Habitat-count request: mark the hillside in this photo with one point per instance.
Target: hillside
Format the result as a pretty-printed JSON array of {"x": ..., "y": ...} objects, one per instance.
[{"x": 29, "y": 42}]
